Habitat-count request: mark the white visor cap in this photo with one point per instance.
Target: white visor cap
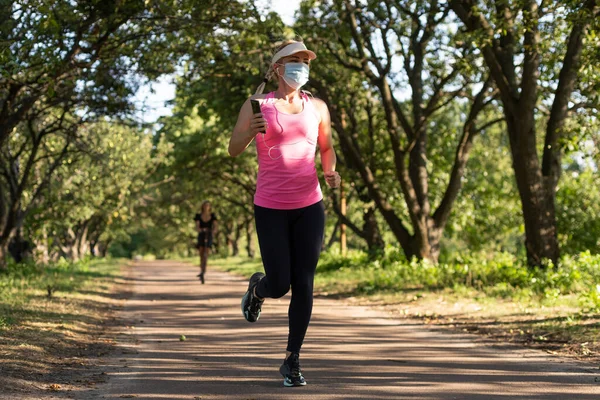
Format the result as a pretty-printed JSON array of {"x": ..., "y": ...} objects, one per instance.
[{"x": 297, "y": 47}]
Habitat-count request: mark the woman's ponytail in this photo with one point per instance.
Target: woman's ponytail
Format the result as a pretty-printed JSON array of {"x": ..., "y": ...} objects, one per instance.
[{"x": 261, "y": 87}]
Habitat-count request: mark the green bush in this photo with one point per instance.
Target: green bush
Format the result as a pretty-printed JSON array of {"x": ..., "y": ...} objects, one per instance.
[
  {"x": 590, "y": 300},
  {"x": 578, "y": 210},
  {"x": 500, "y": 274}
]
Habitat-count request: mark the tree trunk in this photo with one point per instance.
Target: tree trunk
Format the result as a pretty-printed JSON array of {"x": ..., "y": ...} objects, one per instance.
[
  {"x": 69, "y": 246},
  {"x": 333, "y": 237},
  {"x": 41, "y": 247},
  {"x": 12, "y": 222},
  {"x": 217, "y": 241},
  {"x": 250, "y": 238},
  {"x": 236, "y": 240},
  {"x": 537, "y": 198},
  {"x": 5, "y": 238},
  {"x": 82, "y": 242},
  {"x": 93, "y": 250},
  {"x": 536, "y": 183},
  {"x": 424, "y": 245},
  {"x": 19, "y": 248},
  {"x": 407, "y": 124},
  {"x": 103, "y": 248},
  {"x": 371, "y": 230},
  {"x": 229, "y": 236},
  {"x": 3, "y": 256}
]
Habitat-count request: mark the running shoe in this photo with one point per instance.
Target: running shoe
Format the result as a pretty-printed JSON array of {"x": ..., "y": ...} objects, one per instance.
[
  {"x": 251, "y": 305},
  {"x": 291, "y": 371}
]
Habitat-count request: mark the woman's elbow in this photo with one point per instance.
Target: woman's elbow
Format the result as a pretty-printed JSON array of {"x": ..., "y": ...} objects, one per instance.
[
  {"x": 328, "y": 151},
  {"x": 233, "y": 152}
]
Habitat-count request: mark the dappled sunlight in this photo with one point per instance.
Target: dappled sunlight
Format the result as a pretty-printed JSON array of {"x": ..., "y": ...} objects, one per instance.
[{"x": 186, "y": 340}]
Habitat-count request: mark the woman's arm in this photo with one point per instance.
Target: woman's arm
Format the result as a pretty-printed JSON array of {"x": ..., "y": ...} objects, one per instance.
[
  {"x": 246, "y": 128},
  {"x": 197, "y": 225},
  {"x": 214, "y": 228},
  {"x": 325, "y": 141}
]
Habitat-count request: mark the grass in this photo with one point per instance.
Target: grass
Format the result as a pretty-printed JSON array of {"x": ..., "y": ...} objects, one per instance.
[
  {"x": 555, "y": 308},
  {"x": 52, "y": 316},
  {"x": 27, "y": 291}
]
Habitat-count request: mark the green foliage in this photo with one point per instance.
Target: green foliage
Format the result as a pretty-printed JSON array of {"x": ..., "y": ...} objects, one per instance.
[
  {"x": 498, "y": 274},
  {"x": 85, "y": 60},
  {"x": 487, "y": 215},
  {"x": 590, "y": 300},
  {"x": 219, "y": 70},
  {"x": 72, "y": 55},
  {"x": 93, "y": 194},
  {"x": 195, "y": 167},
  {"x": 334, "y": 261},
  {"x": 139, "y": 189},
  {"x": 575, "y": 281},
  {"x": 578, "y": 210}
]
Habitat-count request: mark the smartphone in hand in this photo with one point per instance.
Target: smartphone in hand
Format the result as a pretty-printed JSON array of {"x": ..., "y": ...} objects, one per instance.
[{"x": 256, "y": 108}]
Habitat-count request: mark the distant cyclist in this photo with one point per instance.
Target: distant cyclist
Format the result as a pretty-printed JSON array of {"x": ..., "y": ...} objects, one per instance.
[{"x": 288, "y": 206}]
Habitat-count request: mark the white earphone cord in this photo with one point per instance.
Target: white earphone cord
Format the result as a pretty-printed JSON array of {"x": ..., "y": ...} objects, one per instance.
[{"x": 278, "y": 146}]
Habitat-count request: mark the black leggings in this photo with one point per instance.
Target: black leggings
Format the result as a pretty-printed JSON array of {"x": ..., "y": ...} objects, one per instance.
[{"x": 290, "y": 244}]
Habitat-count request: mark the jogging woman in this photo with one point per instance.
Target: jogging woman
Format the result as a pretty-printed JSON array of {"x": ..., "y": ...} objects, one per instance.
[
  {"x": 206, "y": 225},
  {"x": 288, "y": 206}
]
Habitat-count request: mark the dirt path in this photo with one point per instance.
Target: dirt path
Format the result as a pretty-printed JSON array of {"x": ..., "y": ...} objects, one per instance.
[{"x": 350, "y": 352}]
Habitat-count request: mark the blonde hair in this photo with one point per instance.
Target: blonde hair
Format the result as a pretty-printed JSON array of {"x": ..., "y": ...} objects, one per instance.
[{"x": 271, "y": 70}]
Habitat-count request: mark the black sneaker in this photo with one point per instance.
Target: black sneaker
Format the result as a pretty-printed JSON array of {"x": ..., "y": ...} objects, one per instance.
[
  {"x": 250, "y": 303},
  {"x": 292, "y": 374},
  {"x": 201, "y": 278}
]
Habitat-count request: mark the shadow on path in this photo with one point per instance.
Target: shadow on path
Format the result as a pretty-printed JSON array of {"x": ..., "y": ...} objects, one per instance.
[{"x": 350, "y": 352}]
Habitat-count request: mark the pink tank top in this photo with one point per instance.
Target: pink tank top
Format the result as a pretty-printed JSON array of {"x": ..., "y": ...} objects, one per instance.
[{"x": 287, "y": 176}]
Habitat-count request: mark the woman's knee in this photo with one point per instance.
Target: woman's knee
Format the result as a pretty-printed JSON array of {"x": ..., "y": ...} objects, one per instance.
[{"x": 279, "y": 290}]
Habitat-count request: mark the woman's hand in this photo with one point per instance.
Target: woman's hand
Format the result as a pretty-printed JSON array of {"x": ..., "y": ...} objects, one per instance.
[
  {"x": 246, "y": 128},
  {"x": 257, "y": 124},
  {"x": 333, "y": 179}
]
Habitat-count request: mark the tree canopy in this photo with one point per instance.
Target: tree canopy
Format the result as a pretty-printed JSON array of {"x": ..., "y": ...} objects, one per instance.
[{"x": 459, "y": 126}]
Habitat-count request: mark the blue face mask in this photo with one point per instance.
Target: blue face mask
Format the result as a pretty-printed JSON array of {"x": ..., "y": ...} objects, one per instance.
[{"x": 296, "y": 75}]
